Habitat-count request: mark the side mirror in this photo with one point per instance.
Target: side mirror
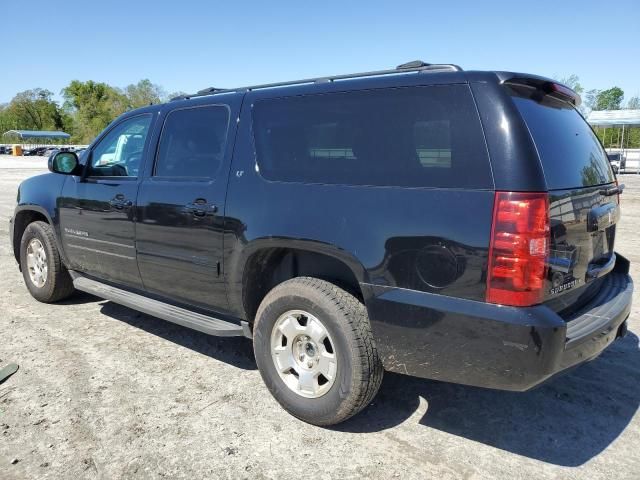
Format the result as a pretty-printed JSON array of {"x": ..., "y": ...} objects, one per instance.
[{"x": 66, "y": 163}]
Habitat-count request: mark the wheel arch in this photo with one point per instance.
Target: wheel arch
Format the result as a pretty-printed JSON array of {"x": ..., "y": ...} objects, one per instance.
[
  {"x": 25, "y": 215},
  {"x": 268, "y": 263}
]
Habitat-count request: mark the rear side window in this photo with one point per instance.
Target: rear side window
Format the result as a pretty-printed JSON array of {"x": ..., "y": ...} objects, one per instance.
[
  {"x": 412, "y": 136},
  {"x": 193, "y": 142},
  {"x": 570, "y": 153}
]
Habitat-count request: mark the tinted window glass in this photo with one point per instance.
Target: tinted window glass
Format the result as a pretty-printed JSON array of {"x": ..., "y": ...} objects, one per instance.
[
  {"x": 119, "y": 153},
  {"x": 570, "y": 153},
  {"x": 193, "y": 142},
  {"x": 415, "y": 136}
]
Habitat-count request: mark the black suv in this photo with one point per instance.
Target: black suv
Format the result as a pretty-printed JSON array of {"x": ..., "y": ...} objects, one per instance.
[{"x": 452, "y": 225}]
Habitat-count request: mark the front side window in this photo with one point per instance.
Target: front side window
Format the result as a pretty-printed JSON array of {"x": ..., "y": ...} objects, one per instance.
[
  {"x": 411, "y": 136},
  {"x": 119, "y": 153},
  {"x": 193, "y": 142}
]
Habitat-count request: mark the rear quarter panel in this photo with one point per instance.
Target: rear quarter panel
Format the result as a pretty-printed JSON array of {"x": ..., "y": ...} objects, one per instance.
[
  {"x": 514, "y": 158},
  {"x": 388, "y": 236}
]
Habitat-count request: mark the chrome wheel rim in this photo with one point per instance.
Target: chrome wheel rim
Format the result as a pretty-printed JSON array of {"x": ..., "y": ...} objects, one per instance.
[
  {"x": 37, "y": 263},
  {"x": 304, "y": 354}
]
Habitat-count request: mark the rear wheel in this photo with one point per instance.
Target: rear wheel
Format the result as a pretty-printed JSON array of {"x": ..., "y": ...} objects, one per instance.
[
  {"x": 315, "y": 351},
  {"x": 44, "y": 274}
]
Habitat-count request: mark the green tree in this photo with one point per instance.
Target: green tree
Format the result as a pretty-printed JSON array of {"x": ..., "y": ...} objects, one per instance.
[
  {"x": 634, "y": 103},
  {"x": 7, "y": 119},
  {"x": 144, "y": 93},
  {"x": 610, "y": 99},
  {"x": 611, "y": 137},
  {"x": 92, "y": 106},
  {"x": 35, "y": 110},
  {"x": 591, "y": 99}
]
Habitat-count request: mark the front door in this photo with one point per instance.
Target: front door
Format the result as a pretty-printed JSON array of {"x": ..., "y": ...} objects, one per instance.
[
  {"x": 97, "y": 211},
  {"x": 181, "y": 207}
]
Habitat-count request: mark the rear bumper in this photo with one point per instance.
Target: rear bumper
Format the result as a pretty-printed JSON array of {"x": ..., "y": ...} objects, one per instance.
[{"x": 494, "y": 346}]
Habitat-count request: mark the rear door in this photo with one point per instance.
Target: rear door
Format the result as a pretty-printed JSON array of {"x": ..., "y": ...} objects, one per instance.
[
  {"x": 181, "y": 206},
  {"x": 583, "y": 200}
]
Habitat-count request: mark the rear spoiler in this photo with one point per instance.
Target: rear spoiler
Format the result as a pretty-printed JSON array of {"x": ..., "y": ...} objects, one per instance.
[{"x": 546, "y": 85}]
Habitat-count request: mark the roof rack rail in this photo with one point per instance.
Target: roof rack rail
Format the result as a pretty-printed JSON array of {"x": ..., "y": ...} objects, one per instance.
[
  {"x": 209, "y": 91},
  {"x": 413, "y": 66}
]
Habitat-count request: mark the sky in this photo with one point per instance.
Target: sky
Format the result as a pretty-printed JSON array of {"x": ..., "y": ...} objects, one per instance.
[{"x": 188, "y": 45}]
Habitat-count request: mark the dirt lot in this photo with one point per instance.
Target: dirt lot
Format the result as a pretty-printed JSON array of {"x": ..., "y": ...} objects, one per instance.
[{"x": 105, "y": 392}]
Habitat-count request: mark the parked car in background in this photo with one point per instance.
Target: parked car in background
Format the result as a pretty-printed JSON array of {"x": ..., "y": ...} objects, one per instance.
[
  {"x": 615, "y": 159},
  {"x": 49, "y": 151},
  {"x": 33, "y": 151},
  {"x": 452, "y": 225}
]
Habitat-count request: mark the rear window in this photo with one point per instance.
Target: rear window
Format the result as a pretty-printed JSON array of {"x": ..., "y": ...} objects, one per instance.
[
  {"x": 570, "y": 153},
  {"x": 413, "y": 136}
]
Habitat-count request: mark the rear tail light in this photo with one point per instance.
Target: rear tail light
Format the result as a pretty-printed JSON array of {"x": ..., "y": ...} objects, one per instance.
[{"x": 519, "y": 248}]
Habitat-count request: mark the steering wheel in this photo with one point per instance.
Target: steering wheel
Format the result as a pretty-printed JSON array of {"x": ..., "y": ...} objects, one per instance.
[{"x": 132, "y": 164}]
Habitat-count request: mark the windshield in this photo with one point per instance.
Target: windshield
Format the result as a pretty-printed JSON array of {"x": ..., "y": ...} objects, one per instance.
[{"x": 570, "y": 152}]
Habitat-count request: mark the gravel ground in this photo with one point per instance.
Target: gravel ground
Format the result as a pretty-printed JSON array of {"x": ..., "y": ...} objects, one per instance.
[{"x": 106, "y": 392}]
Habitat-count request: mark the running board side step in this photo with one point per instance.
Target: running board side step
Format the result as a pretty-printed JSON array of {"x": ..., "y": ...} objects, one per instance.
[{"x": 165, "y": 311}]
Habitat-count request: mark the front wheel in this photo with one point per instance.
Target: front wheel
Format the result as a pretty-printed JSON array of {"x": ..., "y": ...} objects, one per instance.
[
  {"x": 44, "y": 273},
  {"x": 314, "y": 348}
]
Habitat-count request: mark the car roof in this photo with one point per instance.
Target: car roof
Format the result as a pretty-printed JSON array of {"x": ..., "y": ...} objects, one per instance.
[{"x": 415, "y": 75}]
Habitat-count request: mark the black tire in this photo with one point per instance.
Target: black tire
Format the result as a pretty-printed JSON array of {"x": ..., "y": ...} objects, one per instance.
[
  {"x": 58, "y": 284},
  {"x": 359, "y": 369}
]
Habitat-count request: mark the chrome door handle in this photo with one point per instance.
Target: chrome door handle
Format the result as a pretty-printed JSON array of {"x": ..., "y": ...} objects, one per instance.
[
  {"x": 200, "y": 208},
  {"x": 119, "y": 202}
]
